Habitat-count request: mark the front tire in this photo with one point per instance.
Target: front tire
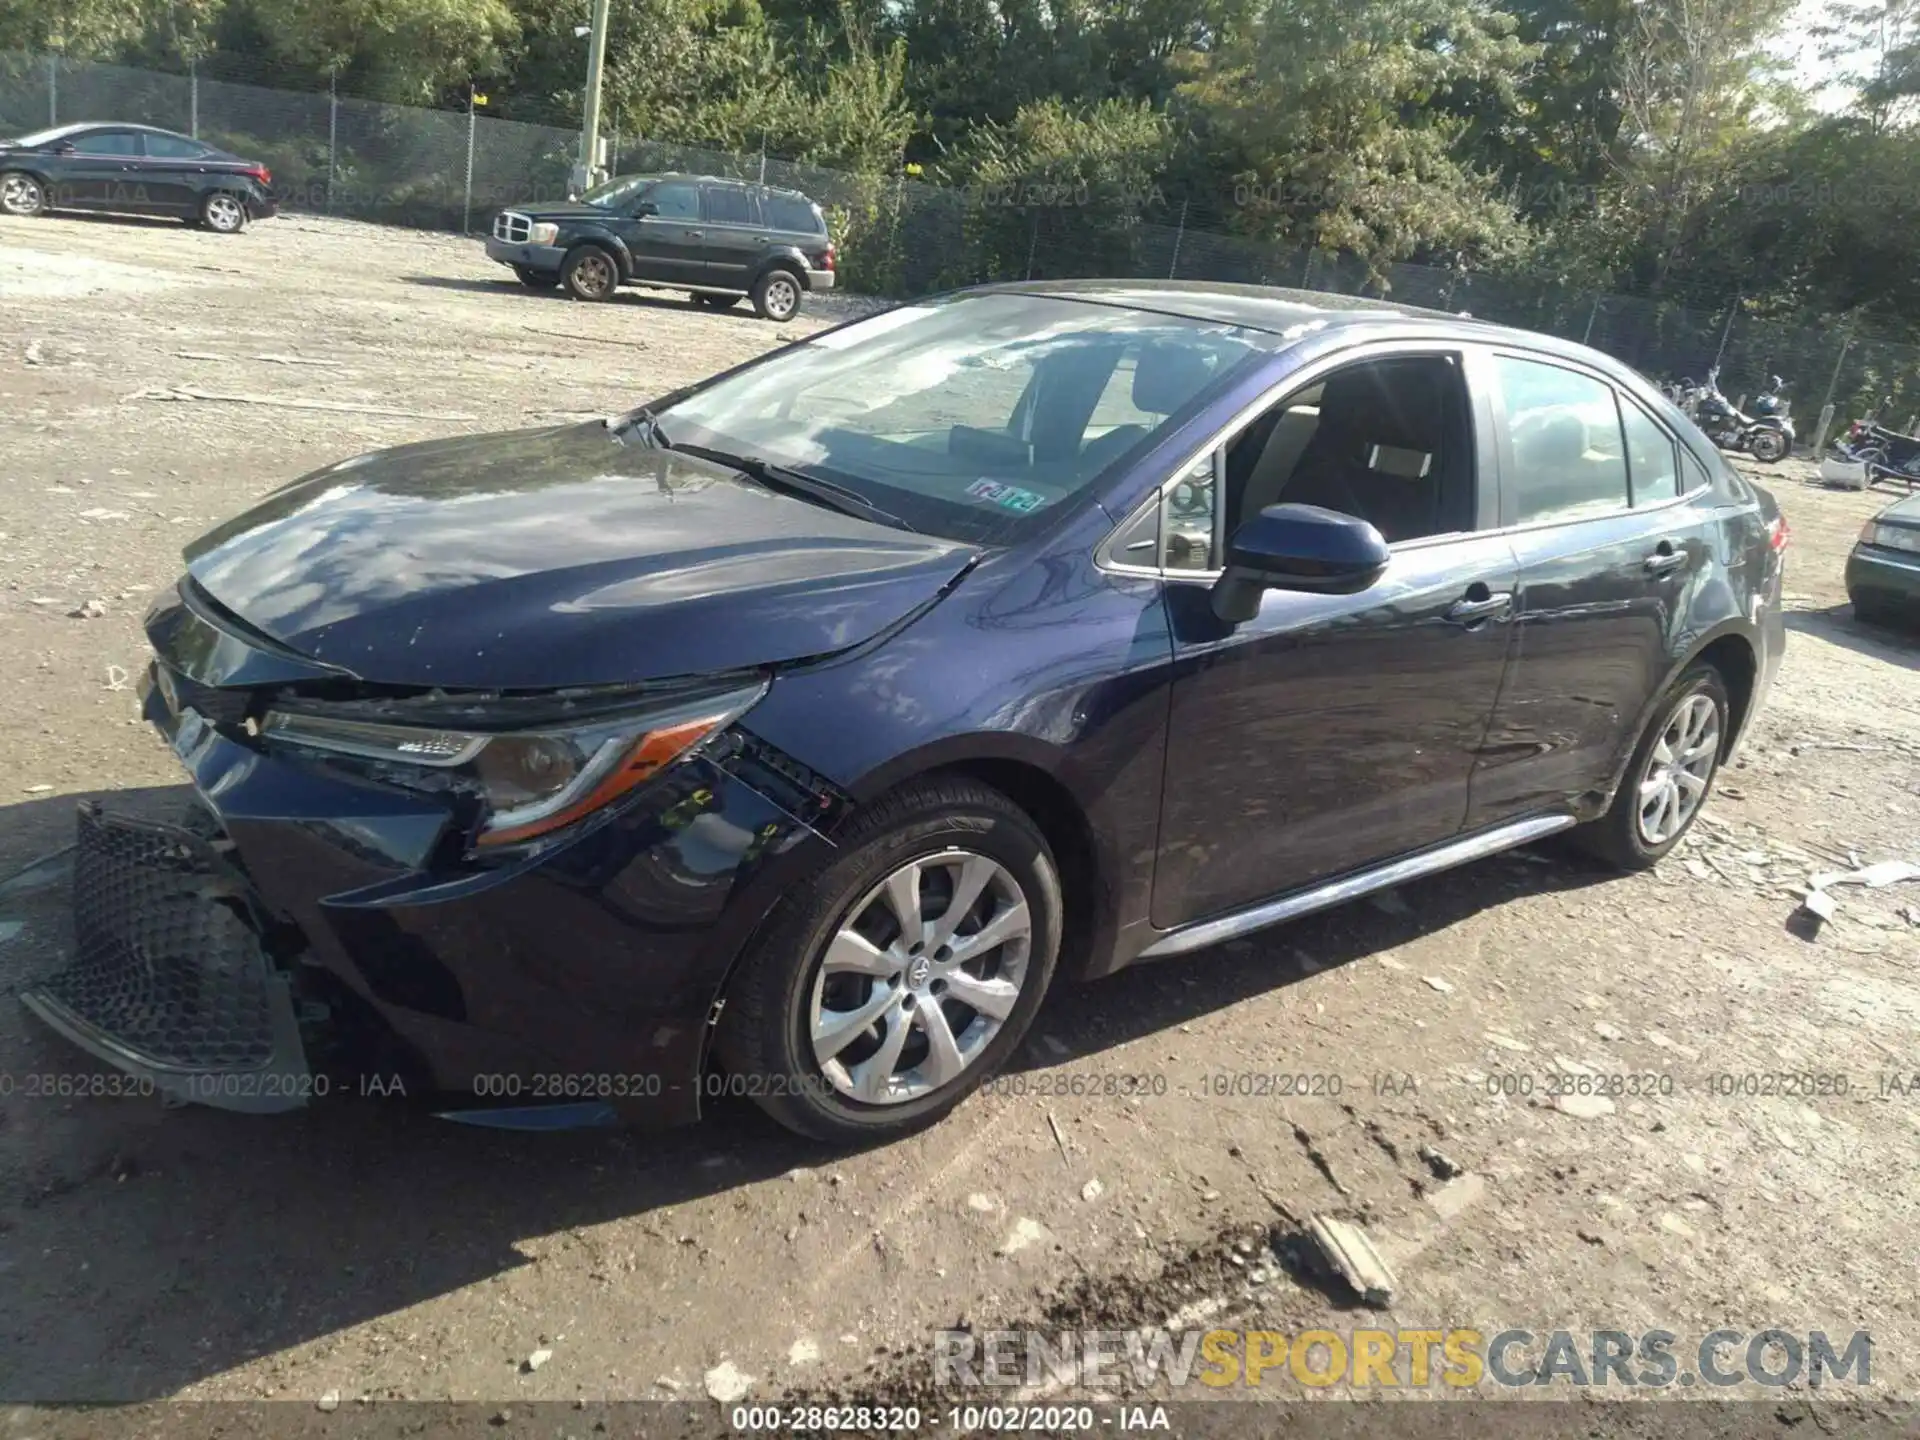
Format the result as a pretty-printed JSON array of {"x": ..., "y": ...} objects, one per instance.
[
  {"x": 21, "y": 194},
  {"x": 223, "y": 214},
  {"x": 882, "y": 993},
  {"x": 590, "y": 273},
  {"x": 776, "y": 295},
  {"x": 1670, "y": 776}
]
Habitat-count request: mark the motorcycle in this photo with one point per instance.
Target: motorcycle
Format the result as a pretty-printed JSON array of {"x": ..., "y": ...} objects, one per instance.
[
  {"x": 1767, "y": 434},
  {"x": 1886, "y": 454}
]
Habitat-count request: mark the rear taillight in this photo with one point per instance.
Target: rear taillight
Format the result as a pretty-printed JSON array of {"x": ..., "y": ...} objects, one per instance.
[
  {"x": 1777, "y": 533},
  {"x": 261, "y": 173},
  {"x": 826, "y": 260}
]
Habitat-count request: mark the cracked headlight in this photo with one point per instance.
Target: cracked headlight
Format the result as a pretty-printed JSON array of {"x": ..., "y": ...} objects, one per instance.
[{"x": 531, "y": 781}]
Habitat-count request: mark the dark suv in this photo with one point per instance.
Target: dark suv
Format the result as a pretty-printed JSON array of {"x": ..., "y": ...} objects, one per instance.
[{"x": 718, "y": 239}]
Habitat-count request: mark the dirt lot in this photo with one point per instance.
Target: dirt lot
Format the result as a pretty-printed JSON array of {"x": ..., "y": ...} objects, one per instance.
[{"x": 366, "y": 1250}]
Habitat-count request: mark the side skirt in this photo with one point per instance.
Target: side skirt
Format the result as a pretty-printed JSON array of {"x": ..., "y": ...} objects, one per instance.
[{"x": 1352, "y": 886}]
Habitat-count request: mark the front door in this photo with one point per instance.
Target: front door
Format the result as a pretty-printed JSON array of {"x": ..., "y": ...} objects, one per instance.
[
  {"x": 98, "y": 174},
  {"x": 666, "y": 239},
  {"x": 1608, "y": 547},
  {"x": 1333, "y": 731}
]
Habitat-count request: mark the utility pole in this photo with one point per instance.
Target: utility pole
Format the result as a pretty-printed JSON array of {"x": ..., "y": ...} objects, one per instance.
[
  {"x": 583, "y": 173},
  {"x": 1726, "y": 334}
]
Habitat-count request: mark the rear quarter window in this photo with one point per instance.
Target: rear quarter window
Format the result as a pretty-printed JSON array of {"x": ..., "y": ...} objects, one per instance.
[{"x": 790, "y": 212}]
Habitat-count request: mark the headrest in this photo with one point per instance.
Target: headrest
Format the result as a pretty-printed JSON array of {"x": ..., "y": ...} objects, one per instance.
[
  {"x": 1399, "y": 406},
  {"x": 1167, "y": 374}
]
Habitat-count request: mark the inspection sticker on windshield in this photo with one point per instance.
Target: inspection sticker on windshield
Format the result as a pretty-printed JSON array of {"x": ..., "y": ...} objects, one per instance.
[{"x": 1011, "y": 496}]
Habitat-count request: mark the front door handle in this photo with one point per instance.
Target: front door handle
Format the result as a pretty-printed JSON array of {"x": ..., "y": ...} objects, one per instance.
[
  {"x": 693, "y": 234},
  {"x": 1664, "y": 559},
  {"x": 1479, "y": 603},
  {"x": 760, "y": 240}
]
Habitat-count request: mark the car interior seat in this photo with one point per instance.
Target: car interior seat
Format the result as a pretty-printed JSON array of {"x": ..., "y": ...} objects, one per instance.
[{"x": 1389, "y": 448}]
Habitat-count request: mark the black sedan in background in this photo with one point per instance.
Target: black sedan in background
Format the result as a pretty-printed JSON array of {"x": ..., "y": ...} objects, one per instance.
[
  {"x": 788, "y": 737},
  {"x": 132, "y": 170},
  {"x": 1883, "y": 572}
]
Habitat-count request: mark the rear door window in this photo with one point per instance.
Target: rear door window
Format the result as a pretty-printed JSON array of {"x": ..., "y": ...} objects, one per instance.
[
  {"x": 730, "y": 205},
  {"x": 172, "y": 147},
  {"x": 1651, "y": 456},
  {"x": 1567, "y": 458}
]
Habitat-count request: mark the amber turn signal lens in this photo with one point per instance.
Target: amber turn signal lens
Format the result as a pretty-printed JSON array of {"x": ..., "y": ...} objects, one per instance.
[{"x": 650, "y": 754}]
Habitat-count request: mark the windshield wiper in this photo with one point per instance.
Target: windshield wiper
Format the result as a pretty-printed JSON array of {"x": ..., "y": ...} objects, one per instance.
[
  {"x": 642, "y": 421},
  {"x": 843, "y": 498}
]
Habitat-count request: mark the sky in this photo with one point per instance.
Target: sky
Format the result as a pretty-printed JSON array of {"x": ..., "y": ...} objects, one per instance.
[{"x": 1799, "y": 49}]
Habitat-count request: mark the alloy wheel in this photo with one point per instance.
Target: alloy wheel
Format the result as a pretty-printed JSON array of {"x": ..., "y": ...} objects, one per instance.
[
  {"x": 1678, "y": 769},
  {"x": 20, "y": 195},
  {"x": 920, "y": 976},
  {"x": 593, "y": 276},
  {"x": 225, "y": 214},
  {"x": 782, "y": 297}
]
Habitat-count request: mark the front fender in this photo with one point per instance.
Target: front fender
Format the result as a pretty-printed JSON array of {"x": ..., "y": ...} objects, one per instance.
[{"x": 606, "y": 240}]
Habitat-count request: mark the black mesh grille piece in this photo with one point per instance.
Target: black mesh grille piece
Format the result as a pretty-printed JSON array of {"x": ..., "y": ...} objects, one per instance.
[{"x": 163, "y": 961}]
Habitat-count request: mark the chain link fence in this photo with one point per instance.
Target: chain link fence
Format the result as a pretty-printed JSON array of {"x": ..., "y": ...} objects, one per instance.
[{"x": 898, "y": 236}]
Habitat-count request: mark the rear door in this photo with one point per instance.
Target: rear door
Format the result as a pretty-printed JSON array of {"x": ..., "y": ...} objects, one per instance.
[
  {"x": 1601, "y": 514},
  {"x": 666, "y": 239},
  {"x": 735, "y": 236},
  {"x": 171, "y": 172}
]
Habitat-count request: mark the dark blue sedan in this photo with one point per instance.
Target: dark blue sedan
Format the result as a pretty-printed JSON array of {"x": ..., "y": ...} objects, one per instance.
[{"x": 791, "y": 736}]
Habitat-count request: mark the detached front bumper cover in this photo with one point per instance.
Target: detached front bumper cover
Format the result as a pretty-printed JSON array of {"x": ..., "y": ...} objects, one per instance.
[{"x": 168, "y": 981}]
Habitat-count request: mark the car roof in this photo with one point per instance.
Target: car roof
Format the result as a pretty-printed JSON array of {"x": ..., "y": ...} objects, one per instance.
[
  {"x": 1290, "y": 313},
  {"x": 82, "y": 127},
  {"x": 729, "y": 180}
]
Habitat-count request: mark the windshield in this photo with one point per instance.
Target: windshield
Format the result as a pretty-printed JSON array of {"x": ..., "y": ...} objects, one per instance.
[
  {"x": 615, "y": 192},
  {"x": 972, "y": 418}
]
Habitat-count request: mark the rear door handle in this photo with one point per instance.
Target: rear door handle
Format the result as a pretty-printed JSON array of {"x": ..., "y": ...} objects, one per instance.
[
  {"x": 760, "y": 240},
  {"x": 1664, "y": 559},
  {"x": 1479, "y": 603},
  {"x": 693, "y": 234}
]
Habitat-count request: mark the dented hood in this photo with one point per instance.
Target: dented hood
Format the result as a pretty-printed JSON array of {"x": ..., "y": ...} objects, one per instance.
[{"x": 558, "y": 557}]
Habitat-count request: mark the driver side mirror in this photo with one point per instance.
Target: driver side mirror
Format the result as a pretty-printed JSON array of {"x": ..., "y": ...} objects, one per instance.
[
  {"x": 65, "y": 147},
  {"x": 1297, "y": 547},
  {"x": 644, "y": 208}
]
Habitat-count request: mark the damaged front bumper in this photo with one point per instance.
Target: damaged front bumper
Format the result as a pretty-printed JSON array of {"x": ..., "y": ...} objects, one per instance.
[{"x": 168, "y": 979}]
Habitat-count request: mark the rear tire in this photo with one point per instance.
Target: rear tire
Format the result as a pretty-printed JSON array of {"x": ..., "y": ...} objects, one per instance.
[
  {"x": 834, "y": 949},
  {"x": 223, "y": 214},
  {"x": 776, "y": 295},
  {"x": 536, "y": 279},
  {"x": 1769, "y": 447},
  {"x": 590, "y": 273},
  {"x": 1670, "y": 776},
  {"x": 21, "y": 194}
]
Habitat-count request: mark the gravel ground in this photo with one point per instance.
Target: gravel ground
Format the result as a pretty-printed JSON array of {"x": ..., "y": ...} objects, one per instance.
[{"x": 363, "y": 1249}]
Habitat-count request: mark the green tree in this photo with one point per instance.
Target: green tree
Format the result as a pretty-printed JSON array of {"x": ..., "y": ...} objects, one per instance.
[{"x": 1323, "y": 115}]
